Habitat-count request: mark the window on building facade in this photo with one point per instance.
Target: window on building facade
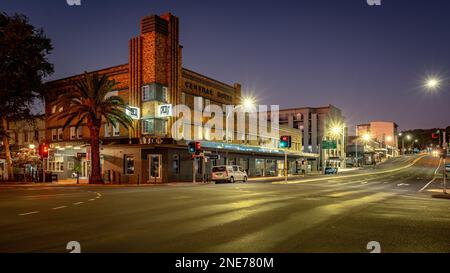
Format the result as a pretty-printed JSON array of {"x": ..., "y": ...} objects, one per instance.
[
  {"x": 107, "y": 131},
  {"x": 53, "y": 109},
  {"x": 73, "y": 133},
  {"x": 154, "y": 92},
  {"x": 128, "y": 164},
  {"x": 183, "y": 98},
  {"x": 154, "y": 126},
  {"x": 80, "y": 132},
  {"x": 56, "y": 164},
  {"x": 70, "y": 165},
  {"x": 36, "y": 135},
  {"x": 116, "y": 130},
  {"x": 54, "y": 134},
  {"x": 145, "y": 93},
  {"x": 60, "y": 134}
]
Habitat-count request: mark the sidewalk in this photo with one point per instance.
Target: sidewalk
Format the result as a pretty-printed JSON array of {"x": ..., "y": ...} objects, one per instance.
[{"x": 85, "y": 182}]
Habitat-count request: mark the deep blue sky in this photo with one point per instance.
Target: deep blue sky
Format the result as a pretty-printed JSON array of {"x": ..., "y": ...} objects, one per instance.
[{"x": 368, "y": 61}]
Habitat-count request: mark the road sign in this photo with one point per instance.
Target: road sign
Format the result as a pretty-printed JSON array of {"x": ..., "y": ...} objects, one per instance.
[
  {"x": 213, "y": 157},
  {"x": 329, "y": 144}
]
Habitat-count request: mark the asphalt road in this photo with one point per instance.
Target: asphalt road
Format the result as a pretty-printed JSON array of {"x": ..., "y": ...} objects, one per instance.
[{"x": 339, "y": 213}]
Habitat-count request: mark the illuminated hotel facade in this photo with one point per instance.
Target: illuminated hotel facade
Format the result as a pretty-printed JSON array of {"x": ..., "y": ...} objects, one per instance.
[{"x": 147, "y": 153}]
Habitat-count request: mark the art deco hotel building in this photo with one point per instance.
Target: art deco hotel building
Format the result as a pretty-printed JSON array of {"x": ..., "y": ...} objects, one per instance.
[{"x": 148, "y": 153}]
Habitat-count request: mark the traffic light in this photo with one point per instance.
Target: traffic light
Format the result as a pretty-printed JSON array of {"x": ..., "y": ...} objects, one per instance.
[
  {"x": 194, "y": 147},
  {"x": 43, "y": 150},
  {"x": 285, "y": 142},
  {"x": 191, "y": 147}
]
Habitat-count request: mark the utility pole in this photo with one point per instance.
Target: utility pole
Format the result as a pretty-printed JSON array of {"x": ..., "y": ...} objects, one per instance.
[{"x": 193, "y": 170}]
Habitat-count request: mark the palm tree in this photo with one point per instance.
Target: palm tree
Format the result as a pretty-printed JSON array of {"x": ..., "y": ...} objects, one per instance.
[{"x": 89, "y": 104}]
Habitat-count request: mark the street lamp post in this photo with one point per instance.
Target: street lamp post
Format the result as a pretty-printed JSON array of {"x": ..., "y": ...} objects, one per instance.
[
  {"x": 433, "y": 84},
  {"x": 337, "y": 131}
]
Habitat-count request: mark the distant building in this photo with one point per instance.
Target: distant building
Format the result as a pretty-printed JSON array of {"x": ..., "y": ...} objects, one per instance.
[
  {"x": 24, "y": 138},
  {"x": 26, "y": 133},
  {"x": 363, "y": 152},
  {"x": 316, "y": 124},
  {"x": 383, "y": 132}
]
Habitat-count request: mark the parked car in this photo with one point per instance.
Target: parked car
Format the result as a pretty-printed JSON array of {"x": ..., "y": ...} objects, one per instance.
[
  {"x": 228, "y": 173},
  {"x": 447, "y": 167},
  {"x": 331, "y": 170}
]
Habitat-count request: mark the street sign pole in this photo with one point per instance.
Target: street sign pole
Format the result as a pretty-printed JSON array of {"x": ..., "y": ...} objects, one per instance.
[
  {"x": 285, "y": 166},
  {"x": 193, "y": 170},
  {"x": 445, "y": 174}
]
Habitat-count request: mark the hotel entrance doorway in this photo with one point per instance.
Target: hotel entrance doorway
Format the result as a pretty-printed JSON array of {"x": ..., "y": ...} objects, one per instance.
[{"x": 155, "y": 168}]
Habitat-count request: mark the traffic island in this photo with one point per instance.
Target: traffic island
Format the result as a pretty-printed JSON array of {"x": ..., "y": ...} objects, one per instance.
[{"x": 441, "y": 196}]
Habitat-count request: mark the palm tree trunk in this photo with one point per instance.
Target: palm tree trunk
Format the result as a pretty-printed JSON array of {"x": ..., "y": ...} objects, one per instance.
[
  {"x": 9, "y": 165},
  {"x": 96, "y": 176}
]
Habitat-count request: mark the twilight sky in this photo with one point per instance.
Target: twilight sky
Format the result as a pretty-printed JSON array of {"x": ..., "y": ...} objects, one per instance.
[{"x": 369, "y": 61}]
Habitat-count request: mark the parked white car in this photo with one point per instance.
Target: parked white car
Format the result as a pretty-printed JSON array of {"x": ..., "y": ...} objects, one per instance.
[
  {"x": 228, "y": 173},
  {"x": 447, "y": 168}
]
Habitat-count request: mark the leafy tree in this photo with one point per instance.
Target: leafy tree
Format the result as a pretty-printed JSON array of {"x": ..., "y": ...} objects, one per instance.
[
  {"x": 23, "y": 66},
  {"x": 89, "y": 104}
]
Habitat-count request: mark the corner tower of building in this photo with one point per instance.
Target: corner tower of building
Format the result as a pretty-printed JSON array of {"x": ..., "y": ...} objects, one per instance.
[{"x": 154, "y": 67}]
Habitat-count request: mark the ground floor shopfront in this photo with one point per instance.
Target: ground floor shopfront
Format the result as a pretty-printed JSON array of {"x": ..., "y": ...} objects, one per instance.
[
  {"x": 171, "y": 163},
  {"x": 161, "y": 163}
]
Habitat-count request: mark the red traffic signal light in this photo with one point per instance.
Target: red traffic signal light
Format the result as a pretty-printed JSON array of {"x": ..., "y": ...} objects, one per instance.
[
  {"x": 194, "y": 147},
  {"x": 44, "y": 150}
]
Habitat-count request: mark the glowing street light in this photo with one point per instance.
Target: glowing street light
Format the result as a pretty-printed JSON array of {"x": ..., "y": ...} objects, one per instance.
[
  {"x": 247, "y": 103},
  {"x": 336, "y": 131},
  {"x": 432, "y": 83},
  {"x": 366, "y": 137}
]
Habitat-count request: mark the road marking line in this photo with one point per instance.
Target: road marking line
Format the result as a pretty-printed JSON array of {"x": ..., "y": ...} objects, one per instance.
[
  {"x": 77, "y": 203},
  {"x": 28, "y": 213},
  {"x": 353, "y": 175},
  {"x": 91, "y": 200},
  {"x": 434, "y": 178},
  {"x": 61, "y": 207}
]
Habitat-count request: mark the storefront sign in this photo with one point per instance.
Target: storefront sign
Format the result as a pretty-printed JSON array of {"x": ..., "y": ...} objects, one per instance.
[
  {"x": 133, "y": 112},
  {"x": 157, "y": 140},
  {"x": 208, "y": 91},
  {"x": 165, "y": 110}
]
